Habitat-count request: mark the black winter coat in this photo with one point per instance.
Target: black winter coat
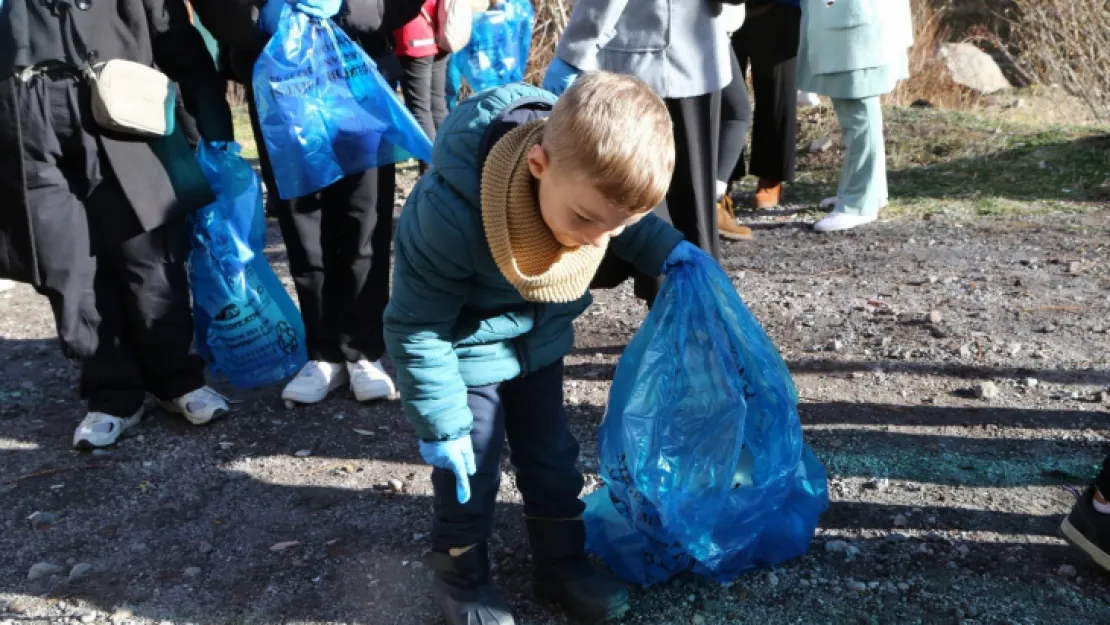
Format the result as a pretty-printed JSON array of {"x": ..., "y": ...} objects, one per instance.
[{"x": 159, "y": 177}]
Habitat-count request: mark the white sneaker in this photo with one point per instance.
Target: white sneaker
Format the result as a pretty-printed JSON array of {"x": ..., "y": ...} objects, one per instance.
[
  {"x": 101, "y": 430},
  {"x": 369, "y": 381},
  {"x": 835, "y": 222},
  {"x": 314, "y": 382},
  {"x": 199, "y": 407}
]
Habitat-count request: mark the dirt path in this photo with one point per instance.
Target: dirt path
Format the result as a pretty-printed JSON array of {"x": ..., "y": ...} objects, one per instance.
[{"x": 945, "y": 505}]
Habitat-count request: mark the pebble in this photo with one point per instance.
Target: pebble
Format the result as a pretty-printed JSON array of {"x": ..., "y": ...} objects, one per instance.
[
  {"x": 987, "y": 390},
  {"x": 934, "y": 317},
  {"x": 192, "y": 571},
  {"x": 205, "y": 547},
  {"x": 965, "y": 351},
  {"x": 901, "y": 521},
  {"x": 772, "y": 579},
  {"x": 1104, "y": 397},
  {"x": 121, "y": 615},
  {"x": 43, "y": 569},
  {"x": 396, "y": 485},
  {"x": 857, "y": 586},
  {"x": 303, "y": 453},
  {"x": 699, "y": 619},
  {"x": 1030, "y": 382},
  {"x": 1074, "y": 267},
  {"x": 79, "y": 570},
  {"x": 836, "y": 346},
  {"x": 39, "y": 520},
  {"x": 86, "y": 616},
  {"x": 1066, "y": 570},
  {"x": 903, "y": 586},
  {"x": 952, "y": 565},
  {"x": 1014, "y": 349}
]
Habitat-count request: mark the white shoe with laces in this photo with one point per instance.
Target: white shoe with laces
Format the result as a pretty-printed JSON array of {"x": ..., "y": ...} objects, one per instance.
[
  {"x": 101, "y": 430},
  {"x": 314, "y": 382},
  {"x": 369, "y": 381},
  {"x": 199, "y": 407}
]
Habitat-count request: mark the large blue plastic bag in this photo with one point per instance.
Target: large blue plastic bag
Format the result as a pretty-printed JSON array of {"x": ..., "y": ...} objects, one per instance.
[
  {"x": 324, "y": 109},
  {"x": 247, "y": 327},
  {"x": 701, "y": 448},
  {"x": 497, "y": 54}
]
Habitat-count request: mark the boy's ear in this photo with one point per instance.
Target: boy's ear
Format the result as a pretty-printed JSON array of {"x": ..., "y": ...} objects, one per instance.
[{"x": 538, "y": 161}]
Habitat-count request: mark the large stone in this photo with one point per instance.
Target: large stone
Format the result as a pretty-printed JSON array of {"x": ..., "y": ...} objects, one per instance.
[{"x": 971, "y": 67}]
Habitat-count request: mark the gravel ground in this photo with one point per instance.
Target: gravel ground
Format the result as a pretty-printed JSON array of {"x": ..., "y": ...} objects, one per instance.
[{"x": 952, "y": 376}]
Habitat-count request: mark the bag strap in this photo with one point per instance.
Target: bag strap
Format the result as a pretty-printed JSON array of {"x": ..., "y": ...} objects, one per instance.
[{"x": 500, "y": 125}]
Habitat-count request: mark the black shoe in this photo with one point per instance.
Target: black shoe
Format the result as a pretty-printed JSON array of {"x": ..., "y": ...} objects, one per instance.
[
  {"x": 462, "y": 589},
  {"x": 564, "y": 575},
  {"x": 1088, "y": 529}
]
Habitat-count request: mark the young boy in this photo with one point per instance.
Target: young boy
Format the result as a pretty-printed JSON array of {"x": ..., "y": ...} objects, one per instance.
[{"x": 493, "y": 255}]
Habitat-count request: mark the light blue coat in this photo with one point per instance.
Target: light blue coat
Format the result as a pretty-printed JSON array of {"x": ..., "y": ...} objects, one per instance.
[
  {"x": 853, "y": 49},
  {"x": 675, "y": 46}
]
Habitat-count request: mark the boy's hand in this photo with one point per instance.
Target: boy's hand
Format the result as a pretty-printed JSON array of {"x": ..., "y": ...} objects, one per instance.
[
  {"x": 456, "y": 456},
  {"x": 560, "y": 75}
]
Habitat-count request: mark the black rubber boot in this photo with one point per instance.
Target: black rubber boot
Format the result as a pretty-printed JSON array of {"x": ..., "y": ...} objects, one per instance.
[
  {"x": 463, "y": 591},
  {"x": 564, "y": 575}
]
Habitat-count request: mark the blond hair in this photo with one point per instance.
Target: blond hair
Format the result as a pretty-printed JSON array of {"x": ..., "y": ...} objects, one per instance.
[{"x": 615, "y": 131}]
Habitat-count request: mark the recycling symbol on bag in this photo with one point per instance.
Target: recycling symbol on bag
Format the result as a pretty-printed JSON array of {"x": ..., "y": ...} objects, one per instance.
[{"x": 286, "y": 337}]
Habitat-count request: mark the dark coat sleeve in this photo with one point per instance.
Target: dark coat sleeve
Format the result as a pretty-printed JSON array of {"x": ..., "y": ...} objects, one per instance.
[
  {"x": 234, "y": 23},
  {"x": 367, "y": 16},
  {"x": 179, "y": 51}
]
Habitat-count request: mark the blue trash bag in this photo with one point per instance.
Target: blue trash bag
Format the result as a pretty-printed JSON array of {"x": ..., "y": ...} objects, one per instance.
[
  {"x": 497, "y": 54},
  {"x": 247, "y": 327},
  {"x": 701, "y": 449},
  {"x": 324, "y": 109}
]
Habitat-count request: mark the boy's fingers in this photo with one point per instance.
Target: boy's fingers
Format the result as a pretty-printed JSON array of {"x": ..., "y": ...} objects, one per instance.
[{"x": 462, "y": 486}]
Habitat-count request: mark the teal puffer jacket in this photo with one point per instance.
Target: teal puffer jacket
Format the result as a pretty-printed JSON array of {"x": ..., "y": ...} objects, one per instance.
[{"x": 453, "y": 319}]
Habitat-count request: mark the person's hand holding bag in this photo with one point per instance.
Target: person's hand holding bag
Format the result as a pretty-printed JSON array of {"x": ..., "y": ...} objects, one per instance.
[
  {"x": 456, "y": 456},
  {"x": 560, "y": 76},
  {"x": 323, "y": 9}
]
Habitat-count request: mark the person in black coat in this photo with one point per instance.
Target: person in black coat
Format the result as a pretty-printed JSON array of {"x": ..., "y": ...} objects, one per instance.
[
  {"x": 337, "y": 239},
  {"x": 95, "y": 219}
]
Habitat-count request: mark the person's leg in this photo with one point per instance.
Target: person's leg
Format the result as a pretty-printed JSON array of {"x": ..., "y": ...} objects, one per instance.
[
  {"x": 859, "y": 193},
  {"x": 159, "y": 322},
  {"x": 439, "y": 89},
  {"x": 735, "y": 117},
  {"x": 416, "y": 85},
  {"x": 544, "y": 453},
  {"x": 690, "y": 205},
  {"x": 740, "y": 47},
  {"x": 774, "y": 128},
  {"x": 460, "y": 531},
  {"x": 357, "y": 231}
]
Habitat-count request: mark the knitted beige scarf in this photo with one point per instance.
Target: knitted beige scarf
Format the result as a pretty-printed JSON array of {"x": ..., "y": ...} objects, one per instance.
[{"x": 525, "y": 249}]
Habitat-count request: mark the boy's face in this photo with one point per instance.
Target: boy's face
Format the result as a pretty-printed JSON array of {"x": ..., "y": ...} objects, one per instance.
[{"x": 575, "y": 211}]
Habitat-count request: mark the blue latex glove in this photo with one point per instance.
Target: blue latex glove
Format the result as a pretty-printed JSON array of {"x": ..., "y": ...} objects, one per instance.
[
  {"x": 560, "y": 75},
  {"x": 269, "y": 14},
  {"x": 323, "y": 9},
  {"x": 456, "y": 456},
  {"x": 684, "y": 252}
]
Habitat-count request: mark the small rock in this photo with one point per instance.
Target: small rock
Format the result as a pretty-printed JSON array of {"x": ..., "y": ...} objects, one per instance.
[
  {"x": 1066, "y": 570},
  {"x": 772, "y": 579},
  {"x": 952, "y": 565},
  {"x": 1074, "y": 267},
  {"x": 1104, "y": 397},
  {"x": 121, "y": 615},
  {"x": 987, "y": 390},
  {"x": 86, "y": 616},
  {"x": 965, "y": 351},
  {"x": 901, "y": 521},
  {"x": 40, "y": 520},
  {"x": 19, "y": 608},
  {"x": 1030, "y": 382},
  {"x": 396, "y": 485},
  {"x": 79, "y": 570},
  {"x": 1014, "y": 349},
  {"x": 835, "y": 345},
  {"x": 192, "y": 571},
  {"x": 43, "y": 569},
  {"x": 818, "y": 146},
  {"x": 933, "y": 279},
  {"x": 903, "y": 586},
  {"x": 857, "y": 586},
  {"x": 303, "y": 453},
  {"x": 699, "y": 619},
  {"x": 934, "y": 317},
  {"x": 205, "y": 547}
]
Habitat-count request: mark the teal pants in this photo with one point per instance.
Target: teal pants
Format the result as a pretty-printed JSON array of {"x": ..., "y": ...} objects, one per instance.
[{"x": 862, "y": 189}]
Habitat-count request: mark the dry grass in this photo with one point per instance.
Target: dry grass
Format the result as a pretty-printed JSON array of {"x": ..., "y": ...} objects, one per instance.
[
  {"x": 929, "y": 78},
  {"x": 1062, "y": 42},
  {"x": 551, "y": 19}
]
